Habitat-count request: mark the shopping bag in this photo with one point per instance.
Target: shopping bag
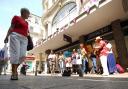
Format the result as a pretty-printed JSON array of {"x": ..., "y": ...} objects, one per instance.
[
  {"x": 30, "y": 43},
  {"x": 119, "y": 68}
]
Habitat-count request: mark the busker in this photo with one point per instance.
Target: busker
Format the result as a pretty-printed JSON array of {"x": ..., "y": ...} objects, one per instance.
[
  {"x": 94, "y": 59},
  {"x": 79, "y": 63},
  {"x": 103, "y": 52},
  {"x": 111, "y": 59}
]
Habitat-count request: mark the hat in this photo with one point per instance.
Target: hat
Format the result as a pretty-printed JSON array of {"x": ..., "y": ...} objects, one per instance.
[{"x": 98, "y": 38}]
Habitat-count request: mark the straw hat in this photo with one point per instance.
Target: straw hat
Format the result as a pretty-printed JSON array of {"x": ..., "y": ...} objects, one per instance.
[{"x": 98, "y": 38}]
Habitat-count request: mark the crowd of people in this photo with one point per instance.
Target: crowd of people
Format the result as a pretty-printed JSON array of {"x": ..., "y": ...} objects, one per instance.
[{"x": 77, "y": 62}]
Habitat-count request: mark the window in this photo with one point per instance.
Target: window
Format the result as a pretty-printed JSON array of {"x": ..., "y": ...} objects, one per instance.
[
  {"x": 65, "y": 11},
  {"x": 31, "y": 28},
  {"x": 36, "y": 21}
]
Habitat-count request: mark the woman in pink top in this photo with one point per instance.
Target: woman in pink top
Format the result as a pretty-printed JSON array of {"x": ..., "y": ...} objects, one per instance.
[{"x": 103, "y": 52}]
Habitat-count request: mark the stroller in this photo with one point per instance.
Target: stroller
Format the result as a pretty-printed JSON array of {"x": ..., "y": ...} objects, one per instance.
[{"x": 3, "y": 59}]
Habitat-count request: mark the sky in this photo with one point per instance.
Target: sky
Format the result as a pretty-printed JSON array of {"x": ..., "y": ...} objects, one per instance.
[{"x": 9, "y": 8}]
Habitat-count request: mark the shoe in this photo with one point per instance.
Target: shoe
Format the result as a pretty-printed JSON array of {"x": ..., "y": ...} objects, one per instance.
[{"x": 14, "y": 77}]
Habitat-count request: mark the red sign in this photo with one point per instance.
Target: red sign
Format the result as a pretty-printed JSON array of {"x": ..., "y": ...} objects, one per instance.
[{"x": 30, "y": 58}]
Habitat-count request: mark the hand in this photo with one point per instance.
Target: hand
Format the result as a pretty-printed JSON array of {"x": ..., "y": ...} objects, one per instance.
[{"x": 6, "y": 40}]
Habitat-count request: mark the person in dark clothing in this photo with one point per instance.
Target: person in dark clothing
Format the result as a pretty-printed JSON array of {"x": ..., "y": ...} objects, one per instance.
[{"x": 24, "y": 69}]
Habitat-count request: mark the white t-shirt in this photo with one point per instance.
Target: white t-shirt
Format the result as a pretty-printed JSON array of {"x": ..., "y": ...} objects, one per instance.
[
  {"x": 110, "y": 47},
  {"x": 52, "y": 56},
  {"x": 78, "y": 59}
]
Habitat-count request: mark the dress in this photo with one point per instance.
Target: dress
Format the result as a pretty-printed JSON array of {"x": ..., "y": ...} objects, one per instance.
[{"x": 111, "y": 60}]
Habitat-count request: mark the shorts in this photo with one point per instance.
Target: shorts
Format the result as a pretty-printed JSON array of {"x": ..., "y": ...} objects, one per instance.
[{"x": 18, "y": 48}]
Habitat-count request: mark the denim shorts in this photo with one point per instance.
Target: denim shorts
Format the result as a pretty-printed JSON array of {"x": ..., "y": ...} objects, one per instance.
[{"x": 18, "y": 48}]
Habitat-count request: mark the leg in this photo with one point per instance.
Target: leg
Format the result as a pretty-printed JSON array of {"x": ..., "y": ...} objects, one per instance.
[
  {"x": 104, "y": 65},
  {"x": 83, "y": 66},
  {"x": 5, "y": 67},
  {"x": 0, "y": 68},
  {"x": 94, "y": 64},
  {"x": 14, "y": 54},
  {"x": 80, "y": 71},
  {"x": 54, "y": 68}
]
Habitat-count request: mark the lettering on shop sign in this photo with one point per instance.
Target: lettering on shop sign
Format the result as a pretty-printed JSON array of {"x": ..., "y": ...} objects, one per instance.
[{"x": 98, "y": 32}]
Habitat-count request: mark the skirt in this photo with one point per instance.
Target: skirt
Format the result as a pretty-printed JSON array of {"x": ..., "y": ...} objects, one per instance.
[{"x": 111, "y": 63}]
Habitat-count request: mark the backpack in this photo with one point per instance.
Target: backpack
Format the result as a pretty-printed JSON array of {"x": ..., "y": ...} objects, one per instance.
[{"x": 119, "y": 68}]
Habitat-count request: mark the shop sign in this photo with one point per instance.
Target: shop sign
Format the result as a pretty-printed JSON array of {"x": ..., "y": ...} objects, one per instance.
[{"x": 98, "y": 32}]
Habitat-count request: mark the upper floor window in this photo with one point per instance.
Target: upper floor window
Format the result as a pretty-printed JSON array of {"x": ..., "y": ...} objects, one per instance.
[
  {"x": 64, "y": 12},
  {"x": 31, "y": 28},
  {"x": 36, "y": 21},
  {"x": 53, "y": 1}
]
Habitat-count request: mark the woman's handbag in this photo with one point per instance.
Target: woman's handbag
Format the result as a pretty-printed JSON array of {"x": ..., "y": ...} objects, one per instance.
[{"x": 30, "y": 43}]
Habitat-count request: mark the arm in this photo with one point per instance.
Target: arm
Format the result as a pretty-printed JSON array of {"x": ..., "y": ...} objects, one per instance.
[
  {"x": 8, "y": 33},
  {"x": 101, "y": 45},
  {"x": 109, "y": 47}
]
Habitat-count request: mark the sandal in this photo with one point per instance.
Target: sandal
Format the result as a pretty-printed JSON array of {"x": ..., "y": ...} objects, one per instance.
[{"x": 14, "y": 77}]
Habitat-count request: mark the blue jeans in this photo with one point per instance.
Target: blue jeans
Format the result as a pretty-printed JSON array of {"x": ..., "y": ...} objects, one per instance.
[
  {"x": 94, "y": 64},
  {"x": 84, "y": 62}
]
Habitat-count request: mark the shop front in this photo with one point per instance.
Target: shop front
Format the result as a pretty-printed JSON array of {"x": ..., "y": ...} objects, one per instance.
[
  {"x": 30, "y": 61},
  {"x": 119, "y": 41}
]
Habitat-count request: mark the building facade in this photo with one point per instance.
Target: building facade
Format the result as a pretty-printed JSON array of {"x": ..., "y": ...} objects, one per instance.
[
  {"x": 36, "y": 32},
  {"x": 82, "y": 21}
]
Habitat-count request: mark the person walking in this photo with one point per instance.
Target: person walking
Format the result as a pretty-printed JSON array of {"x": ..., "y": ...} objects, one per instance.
[
  {"x": 18, "y": 33},
  {"x": 24, "y": 68},
  {"x": 103, "y": 52}
]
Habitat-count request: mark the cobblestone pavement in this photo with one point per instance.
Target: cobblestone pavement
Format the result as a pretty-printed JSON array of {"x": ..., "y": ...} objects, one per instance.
[{"x": 58, "y": 82}]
